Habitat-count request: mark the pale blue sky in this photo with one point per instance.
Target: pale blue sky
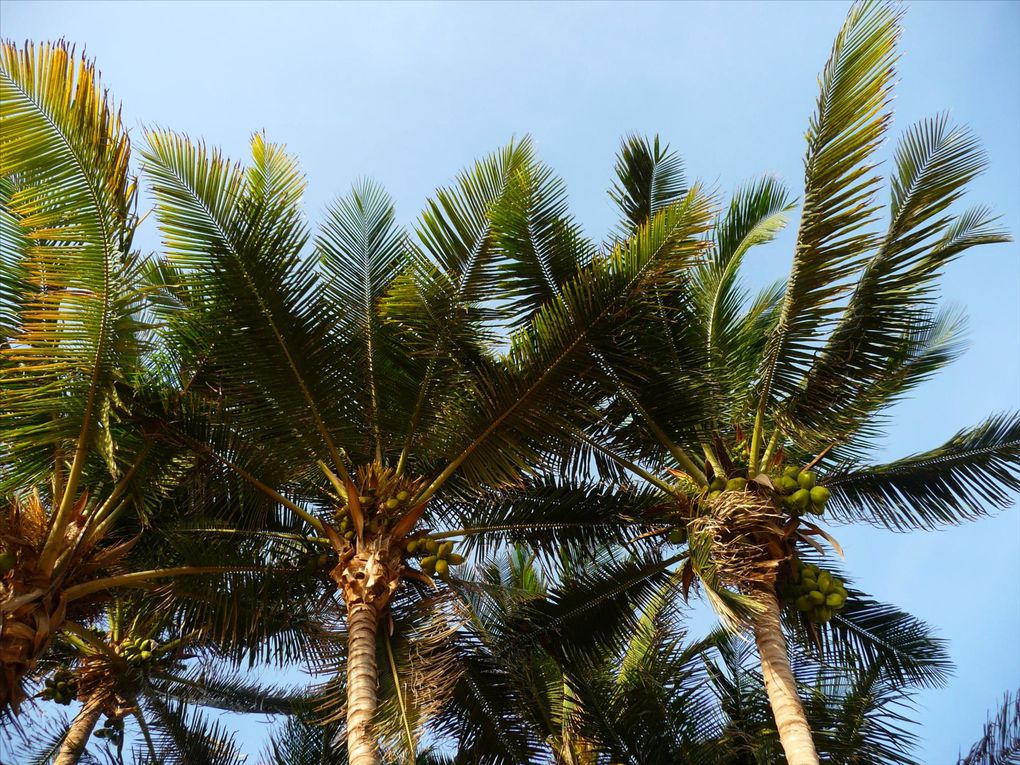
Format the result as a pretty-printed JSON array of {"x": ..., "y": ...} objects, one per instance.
[{"x": 409, "y": 93}]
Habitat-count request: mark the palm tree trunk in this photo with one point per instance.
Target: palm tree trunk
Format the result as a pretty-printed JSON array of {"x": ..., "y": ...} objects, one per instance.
[
  {"x": 78, "y": 734},
  {"x": 367, "y": 575},
  {"x": 794, "y": 732},
  {"x": 362, "y": 620}
]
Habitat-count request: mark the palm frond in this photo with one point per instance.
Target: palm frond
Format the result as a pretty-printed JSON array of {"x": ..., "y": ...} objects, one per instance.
[
  {"x": 237, "y": 237},
  {"x": 73, "y": 201},
  {"x": 183, "y": 736},
  {"x": 443, "y": 303},
  {"x": 974, "y": 472},
  {"x": 542, "y": 244},
  {"x": 649, "y": 178},
  {"x": 361, "y": 251},
  {"x": 1000, "y": 744},
  {"x": 934, "y": 163},
  {"x": 517, "y": 408},
  {"x": 840, "y": 183},
  {"x": 304, "y": 742},
  {"x": 554, "y": 517}
]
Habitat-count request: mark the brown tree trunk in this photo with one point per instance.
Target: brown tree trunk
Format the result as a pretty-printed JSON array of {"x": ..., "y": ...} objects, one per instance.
[
  {"x": 794, "y": 732},
  {"x": 367, "y": 578},
  {"x": 362, "y": 680},
  {"x": 78, "y": 734}
]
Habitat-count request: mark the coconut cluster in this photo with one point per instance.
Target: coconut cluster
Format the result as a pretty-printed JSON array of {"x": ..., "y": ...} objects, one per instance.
[
  {"x": 7, "y": 561},
  {"x": 721, "y": 484},
  {"x": 799, "y": 493},
  {"x": 816, "y": 593},
  {"x": 112, "y": 729},
  {"x": 379, "y": 508},
  {"x": 138, "y": 651},
  {"x": 435, "y": 557},
  {"x": 62, "y": 688}
]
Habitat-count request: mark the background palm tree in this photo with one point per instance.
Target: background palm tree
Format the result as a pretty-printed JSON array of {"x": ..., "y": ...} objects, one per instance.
[{"x": 1000, "y": 744}]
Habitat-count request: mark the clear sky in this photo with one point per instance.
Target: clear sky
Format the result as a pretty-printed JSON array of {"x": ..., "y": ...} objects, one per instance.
[{"x": 409, "y": 93}]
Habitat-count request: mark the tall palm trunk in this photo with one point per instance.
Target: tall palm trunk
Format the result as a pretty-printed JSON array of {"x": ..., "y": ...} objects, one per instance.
[
  {"x": 794, "y": 732},
  {"x": 367, "y": 577},
  {"x": 362, "y": 622},
  {"x": 78, "y": 734}
]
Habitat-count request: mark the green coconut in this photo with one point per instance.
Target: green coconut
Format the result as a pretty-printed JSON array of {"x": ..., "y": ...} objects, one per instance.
[
  {"x": 800, "y": 499},
  {"x": 820, "y": 495}
]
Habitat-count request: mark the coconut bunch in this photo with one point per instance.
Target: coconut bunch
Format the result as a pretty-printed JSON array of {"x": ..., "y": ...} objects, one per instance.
[
  {"x": 138, "y": 651},
  {"x": 61, "y": 688},
  {"x": 377, "y": 498},
  {"x": 113, "y": 729},
  {"x": 721, "y": 483},
  {"x": 435, "y": 556},
  {"x": 816, "y": 593},
  {"x": 799, "y": 492}
]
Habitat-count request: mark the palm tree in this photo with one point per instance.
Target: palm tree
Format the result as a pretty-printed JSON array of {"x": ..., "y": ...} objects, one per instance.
[
  {"x": 734, "y": 409},
  {"x": 557, "y": 663},
  {"x": 1000, "y": 743},
  {"x": 365, "y": 388},
  {"x": 78, "y": 476}
]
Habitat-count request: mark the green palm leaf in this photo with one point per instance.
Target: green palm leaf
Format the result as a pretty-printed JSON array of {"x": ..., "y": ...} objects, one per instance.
[
  {"x": 542, "y": 244},
  {"x": 514, "y": 409},
  {"x": 649, "y": 178},
  {"x": 237, "y": 237},
  {"x": 361, "y": 251},
  {"x": 64, "y": 164},
  {"x": 977, "y": 470},
  {"x": 934, "y": 163},
  {"x": 840, "y": 184}
]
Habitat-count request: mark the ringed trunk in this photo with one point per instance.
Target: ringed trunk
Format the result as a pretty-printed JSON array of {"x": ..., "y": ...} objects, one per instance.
[
  {"x": 362, "y": 681},
  {"x": 78, "y": 734},
  {"x": 794, "y": 732},
  {"x": 367, "y": 576}
]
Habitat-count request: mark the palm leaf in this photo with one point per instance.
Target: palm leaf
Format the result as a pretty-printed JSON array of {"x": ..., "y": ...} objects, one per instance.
[
  {"x": 1000, "y": 744},
  {"x": 237, "y": 236},
  {"x": 649, "y": 177},
  {"x": 934, "y": 163},
  {"x": 73, "y": 201},
  {"x": 840, "y": 183},
  {"x": 516, "y": 407},
  {"x": 977, "y": 470},
  {"x": 542, "y": 244},
  {"x": 361, "y": 251}
]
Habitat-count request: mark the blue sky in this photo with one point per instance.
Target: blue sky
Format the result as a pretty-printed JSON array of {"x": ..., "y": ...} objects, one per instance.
[{"x": 409, "y": 93}]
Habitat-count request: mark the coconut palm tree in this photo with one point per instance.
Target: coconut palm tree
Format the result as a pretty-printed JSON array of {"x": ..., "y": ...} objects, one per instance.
[
  {"x": 1000, "y": 743},
  {"x": 557, "y": 663},
  {"x": 366, "y": 387},
  {"x": 153, "y": 655},
  {"x": 79, "y": 474},
  {"x": 750, "y": 415}
]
